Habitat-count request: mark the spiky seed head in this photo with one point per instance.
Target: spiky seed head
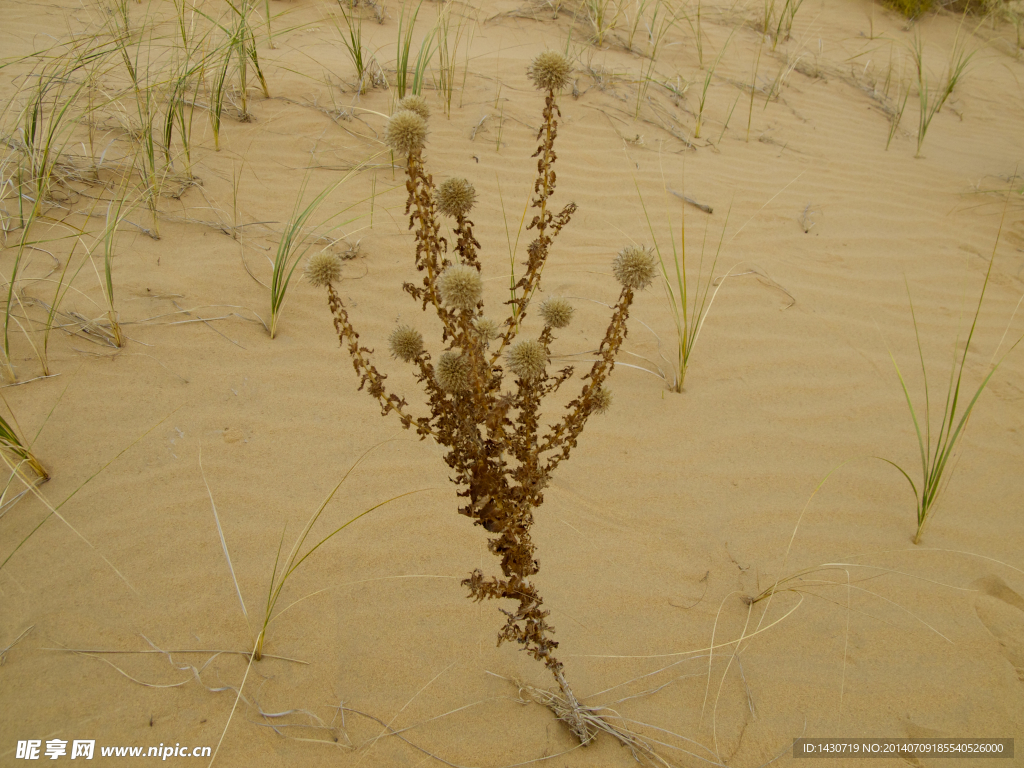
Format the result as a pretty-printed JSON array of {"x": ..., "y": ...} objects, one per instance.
[
  {"x": 417, "y": 104},
  {"x": 487, "y": 328},
  {"x": 527, "y": 359},
  {"x": 455, "y": 197},
  {"x": 602, "y": 400},
  {"x": 460, "y": 286},
  {"x": 634, "y": 267},
  {"x": 550, "y": 71},
  {"x": 452, "y": 371},
  {"x": 323, "y": 268},
  {"x": 406, "y": 132},
  {"x": 405, "y": 343},
  {"x": 556, "y": 311}
]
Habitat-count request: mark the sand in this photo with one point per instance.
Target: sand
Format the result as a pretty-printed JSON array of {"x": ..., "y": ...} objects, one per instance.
[{"x": 674, "y": 510}]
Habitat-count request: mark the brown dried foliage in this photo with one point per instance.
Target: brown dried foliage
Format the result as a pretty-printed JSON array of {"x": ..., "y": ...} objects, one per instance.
[{"x": 501, "y": 456}]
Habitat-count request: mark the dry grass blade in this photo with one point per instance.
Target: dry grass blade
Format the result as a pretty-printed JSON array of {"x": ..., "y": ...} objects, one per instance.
[
  {"x": 79, "y": 534},
  {"x": 234, "y": 706},
  {"x": 168, "y": 651},
  {"x": 596, "y": 720},
  {"x": 388, "y": 729},
  {"x": 54, "y": 509},
  {"x": 707, "y": 649},
  {"x": 18, "y": 639},
  {"x": 220, "y": 533}
]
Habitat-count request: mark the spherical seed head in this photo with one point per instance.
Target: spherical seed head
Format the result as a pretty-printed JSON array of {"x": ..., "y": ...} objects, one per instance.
[
  {"x": 452, "y": 371},
  {"x": 405, "y": 343},
  {"x": 527, "y": 359},
  {"x": 487, "y": 328},
  {"x": 455, "y": 197},
  {"x": 323, "y": 268},
  {"x": 634, "y": 267},
  {"x": 417, "y": 104},
  {"x": 460, "y": 286},
  {"x": 602, "y": 400},
  {"x": 557, "y": 312},
  {"x": 406, "y": 132},
  {"x": 550, "y": 71}
]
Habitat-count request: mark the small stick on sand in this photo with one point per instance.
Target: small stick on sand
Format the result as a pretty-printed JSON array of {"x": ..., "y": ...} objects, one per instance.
[{"x": 691, "y": 201}]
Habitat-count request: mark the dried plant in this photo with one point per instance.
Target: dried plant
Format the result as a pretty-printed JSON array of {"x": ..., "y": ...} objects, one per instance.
[{"x": 486, "y": 389}]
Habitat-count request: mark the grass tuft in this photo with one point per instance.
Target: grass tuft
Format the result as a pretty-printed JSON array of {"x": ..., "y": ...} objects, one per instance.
[
  {"x": 689, "y": 298},
  {"x": 932, "y": 97},
  {"x": 352, "y": 39},
  {"x": 937, "y": 449},
  {"x": 296, "y": 557},
  {"x": 295, "y": 242},
  {"x": 405, "y": 30}
]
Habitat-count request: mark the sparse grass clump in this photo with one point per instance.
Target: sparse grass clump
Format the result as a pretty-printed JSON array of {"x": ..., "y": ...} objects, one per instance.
[
  {"x": 689, "y": 296},
  {"x": 933, "y": 96},
  {"x": 937, "y": 448},
  {"x": 296, "y": 557},
  {"x": 321, "y": 269},
  {"x": 778, "y": 21},
  {"x": 352, "y": 39},
  {"x": 486, "y": 387},
  {"x": 404, "y": 49},
  {"x": 603, "y": 15}
]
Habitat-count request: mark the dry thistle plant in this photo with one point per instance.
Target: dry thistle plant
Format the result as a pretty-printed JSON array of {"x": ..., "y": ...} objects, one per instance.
[{"x": 486, "y": 388}]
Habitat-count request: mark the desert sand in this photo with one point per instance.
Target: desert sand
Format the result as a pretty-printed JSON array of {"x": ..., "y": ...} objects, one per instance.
[{"x": 202, "y": 436}]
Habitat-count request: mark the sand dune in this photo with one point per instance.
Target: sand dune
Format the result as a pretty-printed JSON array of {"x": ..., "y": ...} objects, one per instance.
[{"x": 675, "y": 509}]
